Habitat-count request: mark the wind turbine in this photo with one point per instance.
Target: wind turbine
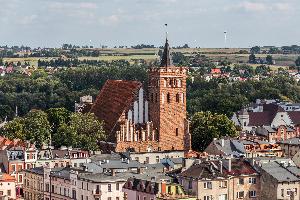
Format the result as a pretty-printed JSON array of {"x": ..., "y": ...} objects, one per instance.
[{"x": 225, "y": 39}]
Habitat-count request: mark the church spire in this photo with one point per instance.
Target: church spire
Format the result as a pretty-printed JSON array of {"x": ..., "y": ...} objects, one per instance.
[{"x": 166, "y": 60}]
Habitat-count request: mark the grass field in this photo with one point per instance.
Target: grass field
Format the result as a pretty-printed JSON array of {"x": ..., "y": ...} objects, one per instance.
[{"x": 215, "y": 54}]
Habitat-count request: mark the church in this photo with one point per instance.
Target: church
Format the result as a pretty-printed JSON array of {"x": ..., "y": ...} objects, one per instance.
[{"x": 152, "y": 121}]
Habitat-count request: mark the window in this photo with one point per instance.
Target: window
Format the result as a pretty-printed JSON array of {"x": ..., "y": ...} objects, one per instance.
[
  {"x": 117, "y": 198},
  {"x": 27, "y": 156},
  {"x": 52, "y": 188},
  {"x": 207, "y": 185},
  {"x": 240, "y": 195},
  {"x": 282, "y": 192},
  {"x": 109, "y": 187},
  {"x": 47, "y": 187},
  {"x": 81, "y": 197},
  {"x": 27, "y": 166},
  {"x": 20, "y": 178},
  {"x": 168, "y": 98},
  {"x": 87, "y": 186},
  {"x": 252, "y": 180},
  {"x": 177, "y": 190},
  {"x": 33, "y": 156},
  {"x": 169, "y": 189},
  {"x": 147, "y": 160},
  {"x": 177, "y": 132},
  {"x": 117, "y": 186},
  {"x": 177, "y": 98},
  {"x": 13, "y": 167},
  {"x": 252, "y": 194},
  {"x": 241, "y": 181},
  {"x": 137, "y": 159},
  {"x": 208, "y": 197},
  {"x": 157, "y": 159},
  {"x": 223, "y": 197},
  {"x": 8, "y": 192},
  {"x": 144, "y": 198},
  {"x": 223, "y": 184},
  {"x": 190, "y": 184}
]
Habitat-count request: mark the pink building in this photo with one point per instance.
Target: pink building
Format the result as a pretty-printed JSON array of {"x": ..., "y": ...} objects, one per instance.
[{"x": 7, "y": 186}]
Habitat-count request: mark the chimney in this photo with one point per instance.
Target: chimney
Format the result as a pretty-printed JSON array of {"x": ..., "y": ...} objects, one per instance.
[
  {"x": 229, "y": 165},
  {"x": 221, "y": 166},
  {"x": 113, "y": 172},
  {"x": 163, "y": 187}
]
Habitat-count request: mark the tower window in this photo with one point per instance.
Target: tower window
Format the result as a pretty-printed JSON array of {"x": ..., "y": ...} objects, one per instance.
[
  {"x": 171, "y": 82},
  {"x": 177, "y": 132},
  {"x": 165, "y": 83},
  {"x": 177, "y": 98},
  {"x": 168, "y": 98},
  {"x": 179, "y": 83}
]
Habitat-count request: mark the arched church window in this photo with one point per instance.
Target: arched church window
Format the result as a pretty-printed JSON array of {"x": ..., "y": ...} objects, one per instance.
[
  {"x": 177, "y": 98},
  {"x": 168, "y": 98},
  {"x": 179, "y": 83}
]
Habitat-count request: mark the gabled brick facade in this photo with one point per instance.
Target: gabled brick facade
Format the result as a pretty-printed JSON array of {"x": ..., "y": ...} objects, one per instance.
[{"x": 147, "y": 122}]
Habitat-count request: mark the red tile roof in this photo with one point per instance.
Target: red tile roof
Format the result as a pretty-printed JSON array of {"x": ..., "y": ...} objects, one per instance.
[{"x": 115, "y": 97}]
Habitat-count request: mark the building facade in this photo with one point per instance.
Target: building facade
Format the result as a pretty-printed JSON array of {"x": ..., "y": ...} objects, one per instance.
[{"x": 140, "y": 122}]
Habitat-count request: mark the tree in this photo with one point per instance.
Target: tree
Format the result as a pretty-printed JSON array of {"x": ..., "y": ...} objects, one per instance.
[
  {"x": 14, "y": 129},
  {"x": 269, "y": 60},
  {"x": 37, "y": 128},
  {"x": 89, "y": 130},
  {"x": 34, "y": 127},
  {"x": 206, "y": 126},
  {"x": 58, "y": 117},
  {"x": 65, "y": 136},
  {"x": 255, "y": 50},
  {"x": 252, "y": 59}
]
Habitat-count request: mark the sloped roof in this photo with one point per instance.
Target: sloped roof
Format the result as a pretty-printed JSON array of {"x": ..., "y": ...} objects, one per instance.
[
  {"x": 261, "y": 118},
  {"x": 113, "y": 99},
  {"x": 295, "y": 116}
]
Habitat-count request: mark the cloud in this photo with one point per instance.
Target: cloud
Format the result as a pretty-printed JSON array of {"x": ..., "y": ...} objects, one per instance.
[
  {"x": 72, "y": 5},
  {"x": 26, "y": 20},
  {"x": 286, "y": 7},
  {"x": 256, "y": 7},
  {"x": 262, "y": 6},
  {"x": 110, "y": 20}
]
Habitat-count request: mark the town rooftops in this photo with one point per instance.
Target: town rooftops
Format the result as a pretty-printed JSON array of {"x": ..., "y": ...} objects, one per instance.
[
  {"x": 280, "y": 172},
  {"x": 226, "y": 147},
  {"x": 6, "y": 177},
  {"x": 212, "y": 169},
  {"x": 291, "y": 141},
  {"x": 114, "y": 98},
  {"x": 36, "y": 170}
]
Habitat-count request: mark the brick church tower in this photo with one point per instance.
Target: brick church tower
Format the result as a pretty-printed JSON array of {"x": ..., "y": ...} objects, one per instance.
[{"x": 167, "y": 104}]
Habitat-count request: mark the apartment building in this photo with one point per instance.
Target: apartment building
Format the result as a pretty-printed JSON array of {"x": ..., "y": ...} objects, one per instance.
[{"x": 222, "y": 179}]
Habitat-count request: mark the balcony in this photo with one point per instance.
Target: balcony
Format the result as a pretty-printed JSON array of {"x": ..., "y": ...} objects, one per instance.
[{"x": 97, "y": 192}]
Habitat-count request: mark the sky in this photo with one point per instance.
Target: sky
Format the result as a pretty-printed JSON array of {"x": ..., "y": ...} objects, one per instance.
[{"x": 201, "y": 23}]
